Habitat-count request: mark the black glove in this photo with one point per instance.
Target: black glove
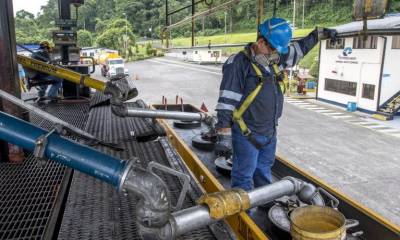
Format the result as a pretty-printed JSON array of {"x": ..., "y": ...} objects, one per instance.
[
  {"x": 327, "y": 33},
  {"x": 223, "y": 146}
]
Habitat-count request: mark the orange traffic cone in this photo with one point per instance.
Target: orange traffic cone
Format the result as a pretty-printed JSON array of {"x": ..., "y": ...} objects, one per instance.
[{"x": 203, "y": 107}]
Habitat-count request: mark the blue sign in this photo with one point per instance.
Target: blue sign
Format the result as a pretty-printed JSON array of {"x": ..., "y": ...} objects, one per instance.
[{"x": 347, "y": 51}]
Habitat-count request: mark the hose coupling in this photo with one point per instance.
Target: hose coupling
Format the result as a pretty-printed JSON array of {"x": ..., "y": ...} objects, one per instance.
[{"x": 225, "y": 203}]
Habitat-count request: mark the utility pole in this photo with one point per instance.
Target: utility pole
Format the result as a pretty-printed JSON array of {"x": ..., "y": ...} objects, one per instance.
[
  {"x": 225, "y": 26},
  {"x": 260, "y": 13},
  {"x": 294, "y": 14},
  {"x": 302, "y": 24},
  {"x": 126, "y": 34},
  {"x": 193, "y": 10},
  {"x": 166, "y": 25},
  {"x": 274, "y": 11}
]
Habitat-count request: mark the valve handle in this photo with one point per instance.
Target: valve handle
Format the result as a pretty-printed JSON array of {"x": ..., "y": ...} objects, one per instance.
[
  {"x": 184, "y": 177},
  {"x": 332, "y": 200}
]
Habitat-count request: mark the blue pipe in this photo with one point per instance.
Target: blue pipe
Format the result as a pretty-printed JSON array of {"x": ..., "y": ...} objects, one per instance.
[{"x": 63, "y": 151}]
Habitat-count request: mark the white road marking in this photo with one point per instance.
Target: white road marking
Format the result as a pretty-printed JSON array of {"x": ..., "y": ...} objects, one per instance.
[
  {"x": 323, "y": 111},
  {"x": 294, "y": 102},
  {"x": 368, "y": 123},
  {"x": 333, "y": 113},
  {"x": 390, "y": 130},
  {"x": 178, "y": 65},
  {"x": 342, "y": 117},
  {"x": 376, "y": 127},
  {"x": 396, "y": 135},
  {"x": 356, "y": 122},
  {"x": 301, "y": 103}
]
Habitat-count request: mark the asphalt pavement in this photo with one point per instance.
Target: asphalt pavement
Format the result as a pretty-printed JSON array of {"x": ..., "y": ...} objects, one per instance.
[{"x": 352, "y": 156}]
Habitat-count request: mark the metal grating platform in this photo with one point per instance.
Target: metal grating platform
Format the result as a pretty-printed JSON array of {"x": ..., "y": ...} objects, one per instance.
[
  {"x": 94, "y": 209},
  {"x": 27, "y": 195},
  {"x": 30, "y": 194}
]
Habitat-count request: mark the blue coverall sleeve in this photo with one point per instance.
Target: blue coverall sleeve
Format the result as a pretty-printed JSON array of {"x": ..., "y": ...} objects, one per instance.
[
  {"x": 298, "y": 49},
  {"x": 231, "y": 90}
]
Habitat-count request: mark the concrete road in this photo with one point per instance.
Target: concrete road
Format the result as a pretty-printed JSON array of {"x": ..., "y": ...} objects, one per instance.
[{"x": 362, "y": 163}]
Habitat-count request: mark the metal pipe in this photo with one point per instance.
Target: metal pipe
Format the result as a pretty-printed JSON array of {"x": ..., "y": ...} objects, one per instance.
[
  {"x": 61, "y": 72},
  {"x": 206, "y": 12},
  {"x": 183, "y": 221},
  {"x": 198, "y": 216},
  {"x": 149, "y": 113},
  {"x": 263, "y": 195},
  {"x": 154, "y": 204},
  {"x": 44, "y": 114},
  {"x": 154, "y": 208},
  {"x": 61, "y": 150},
  {"x": 65, "y": 127}
]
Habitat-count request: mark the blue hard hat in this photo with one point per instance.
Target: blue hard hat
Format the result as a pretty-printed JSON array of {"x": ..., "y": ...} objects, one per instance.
[{"x": 277, "y": 32}]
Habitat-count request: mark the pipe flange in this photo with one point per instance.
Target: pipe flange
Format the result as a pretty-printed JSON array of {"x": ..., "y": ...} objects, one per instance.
[
  {"x": 124, "y": 175},
  {"x": 297, "y": 183}
]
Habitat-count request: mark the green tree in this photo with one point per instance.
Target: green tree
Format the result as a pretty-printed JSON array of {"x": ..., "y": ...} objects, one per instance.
[
  {"x": 26, "y": 29},
  {"x": 24, "y": 14},
  {"x": 113, "y": 37},
  {"x": 48, "y": 14},
  {"x": 85, "y": 38},
  {"x": 314, "y": 69}
]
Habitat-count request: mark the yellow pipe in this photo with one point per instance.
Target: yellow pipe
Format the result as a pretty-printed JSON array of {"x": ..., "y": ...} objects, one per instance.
[{"x": 61, "y": 72}]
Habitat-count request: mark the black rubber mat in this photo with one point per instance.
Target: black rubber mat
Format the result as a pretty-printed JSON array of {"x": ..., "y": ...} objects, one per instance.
[
  {"x": 99, "y": 100},
  {"x": 30, "y": 194},
  {"x": 94, "y": 209}
]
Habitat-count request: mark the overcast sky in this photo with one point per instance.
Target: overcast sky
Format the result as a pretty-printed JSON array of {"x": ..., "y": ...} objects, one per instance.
[{"x": 32, "y": 6}]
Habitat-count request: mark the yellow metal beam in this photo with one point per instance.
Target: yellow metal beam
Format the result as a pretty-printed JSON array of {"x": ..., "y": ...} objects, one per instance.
[
  {"x": 244, "y": 227},
  {"x": 381, "y": 117},
  {"x": 61, "y": 72}
]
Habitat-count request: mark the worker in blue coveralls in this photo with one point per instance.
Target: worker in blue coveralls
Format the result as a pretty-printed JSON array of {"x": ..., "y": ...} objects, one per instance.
[
  {"x": 252, "y": 135},
  {"x": 43, "y": 54}
]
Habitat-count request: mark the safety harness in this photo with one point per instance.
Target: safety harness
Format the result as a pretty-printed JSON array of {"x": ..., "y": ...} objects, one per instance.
[{"x": 238, "y": 113}]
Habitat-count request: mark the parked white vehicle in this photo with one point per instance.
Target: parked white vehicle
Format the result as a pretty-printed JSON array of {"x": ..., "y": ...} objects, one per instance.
[{"x": 114, "y": 68}]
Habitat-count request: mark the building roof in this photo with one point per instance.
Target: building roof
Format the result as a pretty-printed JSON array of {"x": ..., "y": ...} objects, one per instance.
[
  {"x": 390, "y": 22},
  {"x": 31, "y": 47}
]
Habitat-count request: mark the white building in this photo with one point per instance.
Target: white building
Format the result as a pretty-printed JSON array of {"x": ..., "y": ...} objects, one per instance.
[
  {"x": 90, "y": 51},
  {"x": 366, "y": 72},
  {"x": 197, "y": 55}
]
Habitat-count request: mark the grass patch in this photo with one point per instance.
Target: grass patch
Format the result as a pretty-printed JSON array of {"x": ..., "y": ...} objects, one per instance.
[
  {"x": 310, "y": 58},
  {"x": 230, "y": 38}
]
